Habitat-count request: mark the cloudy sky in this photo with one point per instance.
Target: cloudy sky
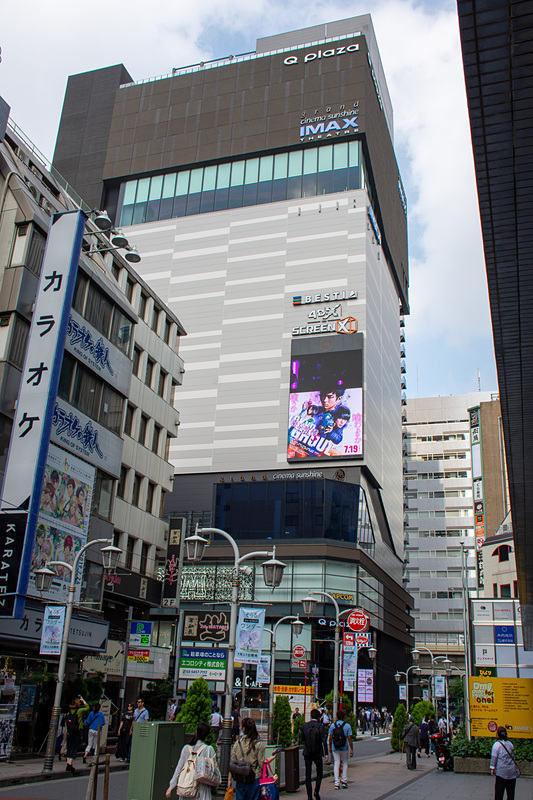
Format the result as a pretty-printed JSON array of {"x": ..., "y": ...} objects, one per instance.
[{"x": 449, "y": 335}]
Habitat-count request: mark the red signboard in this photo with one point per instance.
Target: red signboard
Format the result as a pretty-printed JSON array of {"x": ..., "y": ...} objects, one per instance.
[
  {"x": 299, "y": 651},
  {"x": 299, "y": 663},
  {"x": 358, "y": 621}
]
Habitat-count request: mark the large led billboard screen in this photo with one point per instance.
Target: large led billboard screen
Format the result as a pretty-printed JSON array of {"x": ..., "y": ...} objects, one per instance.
[{"x": 326, "y": 398}]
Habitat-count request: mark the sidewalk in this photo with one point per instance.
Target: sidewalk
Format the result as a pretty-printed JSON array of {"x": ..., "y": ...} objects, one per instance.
[
  {"x": 29, "y": 770},
  {"x": 379, "y": 778},
  {"x": 387, "y": 776}
]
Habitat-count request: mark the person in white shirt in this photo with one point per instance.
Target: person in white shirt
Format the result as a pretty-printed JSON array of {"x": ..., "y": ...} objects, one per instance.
[{"x": 216, "y": 721}]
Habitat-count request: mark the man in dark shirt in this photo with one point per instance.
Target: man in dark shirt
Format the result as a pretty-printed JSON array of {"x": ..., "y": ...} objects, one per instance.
[{"x": 314, "y": 738}]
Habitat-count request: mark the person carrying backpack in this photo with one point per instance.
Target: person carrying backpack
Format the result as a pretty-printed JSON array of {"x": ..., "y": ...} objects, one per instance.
[
  {"x": 340, "y": 736},
  {"x": 184, "y": 777},
  {"x": 74, "y": 726},
  {"x": 314, "y": 739}
]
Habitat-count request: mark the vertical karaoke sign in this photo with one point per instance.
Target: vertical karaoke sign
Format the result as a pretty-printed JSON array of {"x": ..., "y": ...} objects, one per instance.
[
  {"x": 28, "y": 448},
  {"x": 478, "y": 490}
]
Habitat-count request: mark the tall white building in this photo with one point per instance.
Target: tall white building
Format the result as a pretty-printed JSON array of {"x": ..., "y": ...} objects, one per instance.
[
  {"x": 264, "y": 195},
  {"x": 439, "y": 519}
]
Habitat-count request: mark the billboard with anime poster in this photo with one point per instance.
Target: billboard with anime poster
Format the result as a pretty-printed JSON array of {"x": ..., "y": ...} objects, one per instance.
[
  {"x": 63, "y": 519},
  {"x": 326, "y": 399}
]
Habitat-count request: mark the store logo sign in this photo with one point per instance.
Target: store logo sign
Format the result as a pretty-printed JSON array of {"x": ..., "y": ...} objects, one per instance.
[
  {"x": 331, "y": 128},
  {"x": 333, "y": 51}
]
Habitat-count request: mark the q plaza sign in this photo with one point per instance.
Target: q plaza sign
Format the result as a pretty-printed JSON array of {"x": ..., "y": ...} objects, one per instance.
[{"x": 318, "y": 54}]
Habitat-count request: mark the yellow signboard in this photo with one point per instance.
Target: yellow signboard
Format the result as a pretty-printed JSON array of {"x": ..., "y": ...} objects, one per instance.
[
  {"x": 506, "y": 702},
  {"x": 295, "y": 689}
]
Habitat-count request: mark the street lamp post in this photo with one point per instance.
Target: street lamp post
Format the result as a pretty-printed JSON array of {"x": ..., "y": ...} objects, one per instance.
[
  {"x": 297, "y": 626},
  {"x": 397, "y": 678},
  {"x": 415, "y": 654},
  {"x": 309, "y": 604},
  {"x": 273, "y": 574},
  {"x": 43, "y": 581}
]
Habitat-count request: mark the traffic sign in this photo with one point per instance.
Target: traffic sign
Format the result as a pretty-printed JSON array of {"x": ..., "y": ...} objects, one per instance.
[
  {"x": 350, "y": 639},
  {"x": 358, "y": 621},
  {"x": 297, "y": 663},
  {"x": 299, "y": 652}
]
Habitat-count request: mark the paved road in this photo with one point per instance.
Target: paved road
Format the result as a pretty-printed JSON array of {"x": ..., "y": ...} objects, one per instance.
[{"x": 68, "y": 789}]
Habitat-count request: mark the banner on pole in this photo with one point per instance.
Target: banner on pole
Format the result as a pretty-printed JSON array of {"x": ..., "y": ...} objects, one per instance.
[
  {"x": 52, "y": 634},
  {"x": 263, "y": 669},
  {"x": 250, "y": 635},
  {"x": 349, "y": 665}
]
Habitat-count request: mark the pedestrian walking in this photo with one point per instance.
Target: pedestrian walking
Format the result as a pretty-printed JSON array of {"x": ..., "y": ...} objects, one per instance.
[
  {"x": 204, "y": 791},
  {"x": 249, "y": 748},
  {"x": 375, "y": 719},
  {"x": 235, "y": 723},
  {"x": 216, "y": 721},
  {"x": 424, "y": 736},
  {"x": 141, "y": 713},
  {"x": 74, "y": 725},
  {"x": 388, "y": 722},
  {"x": 503, "y": 766},
  {"x": 124, "y": 734},
  {"x": 340, "y": 736},
  {"x": 411, "y": 740},
  {"x": 94, "y": 719},
  {"x": 315, "y": 748}
]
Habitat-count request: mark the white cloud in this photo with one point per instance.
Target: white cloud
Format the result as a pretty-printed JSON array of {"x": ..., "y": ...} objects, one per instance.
[{"x": 419, "y": 44}]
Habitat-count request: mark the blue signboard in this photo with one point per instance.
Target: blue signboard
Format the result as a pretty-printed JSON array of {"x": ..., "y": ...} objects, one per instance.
[{"x": 504, "y": 634}]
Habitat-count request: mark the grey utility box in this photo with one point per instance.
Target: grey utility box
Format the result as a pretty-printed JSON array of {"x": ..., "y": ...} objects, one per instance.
[{"x": 155, "y": 751}]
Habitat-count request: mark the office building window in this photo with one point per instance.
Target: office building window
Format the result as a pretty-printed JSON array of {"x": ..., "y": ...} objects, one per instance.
[
  {"x": 129, "y": 288},
  {"x": 149, "y": 372},
  {"x": 155, "y": 317},
  {"x": 130, "y": 547},
  {"x": 156, "y": 435},
  {"x": 161, "y": 384},
  {"x": 102, "y": 495},
  {"x": 144, "y": 559},
  {"x": 128, "y": 421},
  {"x": 142, "y": 428},
  {"x": 121, "y": 485},
  {"x": 136, "y": 489},
  {"x": 89, "y": 394},
  {"x": 150, "y": 496},
  {"x": 137, "y": 360},
  {"x": 142, "y": 305},
  {"x": 307, "y": 172}
]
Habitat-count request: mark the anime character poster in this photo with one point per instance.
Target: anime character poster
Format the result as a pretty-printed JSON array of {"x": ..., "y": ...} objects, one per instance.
[
  {"x": 326, "y": 406},
  {"x": 250, "y": 635},
  {"x": 63, "y": 519}
]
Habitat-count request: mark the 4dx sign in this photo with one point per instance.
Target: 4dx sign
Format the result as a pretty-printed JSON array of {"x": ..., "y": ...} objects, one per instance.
[{"x": 358, "y": 620}]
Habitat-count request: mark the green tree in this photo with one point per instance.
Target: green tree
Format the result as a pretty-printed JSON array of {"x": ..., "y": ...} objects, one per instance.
[
  {"x": 282, "y": 721},
  {"x": 346, "y": 707},
  {"x": 456, "y": 689},
  {"x": 157, "y": 700},
  {"x": 297, "y": 726},
  {"x": 197, "y": 708},
  {"x": 420, "y": 709},
  {"x": 400, "y": 720},
  {"x": 91, "y": 689}
]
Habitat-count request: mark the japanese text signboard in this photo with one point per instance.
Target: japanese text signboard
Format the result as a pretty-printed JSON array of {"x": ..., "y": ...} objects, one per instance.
[
  {"x": 200, "y": 662},
  {"x": 501, "y": 701},
  {"x": 26, "y": 460},
  {"x": 250, "y": 635},
  {"x": 358, "y": 621}
]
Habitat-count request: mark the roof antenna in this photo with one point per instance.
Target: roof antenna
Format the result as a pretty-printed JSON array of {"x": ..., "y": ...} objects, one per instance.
[{"x": 478, "y": 380}]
